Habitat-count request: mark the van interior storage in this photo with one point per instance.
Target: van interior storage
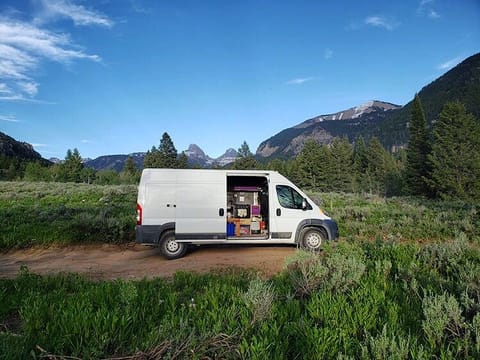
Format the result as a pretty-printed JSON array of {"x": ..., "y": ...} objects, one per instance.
[{"x": 247, "y": 207}]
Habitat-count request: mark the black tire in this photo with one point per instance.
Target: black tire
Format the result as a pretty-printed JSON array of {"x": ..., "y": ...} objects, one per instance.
[
  {"x": 170, "y": 248},
  {"x": 312, "y": 239}
]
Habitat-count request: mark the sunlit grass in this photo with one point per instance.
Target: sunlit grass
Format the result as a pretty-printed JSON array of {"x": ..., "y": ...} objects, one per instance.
[{"x": 356, "y": 300}]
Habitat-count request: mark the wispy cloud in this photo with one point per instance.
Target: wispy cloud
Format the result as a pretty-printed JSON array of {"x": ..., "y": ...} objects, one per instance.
[
  {"x": 81, "y": 16},
  {"x": 139, "y": 7},
  {"x": 299, "y": 81},
  {"x": 9, "y": 118},
  {"x": 327, "y": 54},
  {"x": 86, "y": 141},
  {"x": 450, "y": 63},
  {"x": 381, "y": 22},
  {"x": 25, "y": 45},
  {"x": 427, "y": 8}
]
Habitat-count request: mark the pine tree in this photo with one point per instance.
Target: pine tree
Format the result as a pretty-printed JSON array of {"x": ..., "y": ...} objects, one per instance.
[
  {"x": 130, "y": 167},
  {"x": 455, "y": 156},
  {"x": 182, "y": 162},
  {"x": 245, "y": 159},
  {"x": 129, "y": 173},
  {"x": 72, "y": 166},
  {"x": 167, "y": 152},
  {"x": 308, "y": 162},
  {"x": 380, "y": 166},
  {"x": 163, "y": 157},
  {"x": 417, "y": 167},
  {"x": 342, "y": 161},
  {"x": 360, "y": 165},
  {"x": 151, "y": 158}
]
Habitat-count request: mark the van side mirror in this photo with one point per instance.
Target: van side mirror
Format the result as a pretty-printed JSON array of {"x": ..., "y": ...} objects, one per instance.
[{"x": 304, "y": 204}]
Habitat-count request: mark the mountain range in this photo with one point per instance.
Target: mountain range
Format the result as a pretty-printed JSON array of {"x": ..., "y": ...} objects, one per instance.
[
  {"x": 387, "y": 121},
  {"x": 195, "y": 155},
  {"x": 325, "y": 128}
]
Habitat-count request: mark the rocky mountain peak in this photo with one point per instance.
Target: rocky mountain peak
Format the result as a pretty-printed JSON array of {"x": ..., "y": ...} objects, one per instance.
[{"x": 324, "y": 128}]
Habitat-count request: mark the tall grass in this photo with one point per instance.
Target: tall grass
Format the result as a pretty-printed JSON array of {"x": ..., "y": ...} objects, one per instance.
[
  {"x": 381, "y": 300},
  {"x": 63, "y": 213},
  {"x": 367, "y": 216},
  {"x": 46, "y": 213}
]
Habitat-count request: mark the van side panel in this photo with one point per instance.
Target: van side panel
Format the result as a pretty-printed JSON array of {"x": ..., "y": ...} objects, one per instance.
[
  {"x": 201, "y": 202},
  {"x": 159, "y": 203}
]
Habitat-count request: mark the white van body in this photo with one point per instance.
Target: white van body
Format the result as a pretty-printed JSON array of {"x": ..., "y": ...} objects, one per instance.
[{"x": 178, "y": 207}]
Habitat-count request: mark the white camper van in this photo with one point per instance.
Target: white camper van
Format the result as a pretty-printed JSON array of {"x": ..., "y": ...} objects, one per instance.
[{"x": 180, "y": 207}]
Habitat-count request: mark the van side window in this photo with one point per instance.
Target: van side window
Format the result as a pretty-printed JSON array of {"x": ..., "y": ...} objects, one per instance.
[{"x": 289, "y": 198}]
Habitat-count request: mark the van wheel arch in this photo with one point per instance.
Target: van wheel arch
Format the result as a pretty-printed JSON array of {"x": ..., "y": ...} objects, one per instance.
[{"x": 170, "y": 248}]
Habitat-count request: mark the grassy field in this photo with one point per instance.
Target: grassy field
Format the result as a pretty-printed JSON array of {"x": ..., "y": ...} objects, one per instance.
[
  {"x": 59, "y": 213},
  {"x": 403, "y": 282},
  {"x": 379, "y": 300},
  {"x": 65, "y": 213}
]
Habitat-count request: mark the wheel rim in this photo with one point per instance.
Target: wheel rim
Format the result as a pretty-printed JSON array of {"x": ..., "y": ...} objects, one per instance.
[
  {"x": 172, "y": 246},
  {"x": 313, "y": 240}
]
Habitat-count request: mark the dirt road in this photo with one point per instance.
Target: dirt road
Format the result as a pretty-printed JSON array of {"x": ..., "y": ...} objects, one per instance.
[{"x": 134, "y": 261}]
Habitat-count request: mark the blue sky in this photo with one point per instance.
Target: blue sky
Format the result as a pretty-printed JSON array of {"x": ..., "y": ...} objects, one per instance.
[{"x": 111, "y": 76}]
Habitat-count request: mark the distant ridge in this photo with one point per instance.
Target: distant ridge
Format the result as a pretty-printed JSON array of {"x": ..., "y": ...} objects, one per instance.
[
  {"x": 388, "y": 122},
  {"x": 324, "y": 128},
  {"x": 195, "y": 155},
  {"x": 9, "y": 147}
]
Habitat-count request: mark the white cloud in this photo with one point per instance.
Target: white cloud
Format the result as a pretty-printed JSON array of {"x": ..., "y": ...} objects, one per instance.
[
  {"x": 9, "y": 118},
  {"x": 450, "y": 63},
  {"x": 381, "y": 21},
  {"x": 299, "y": 81},
  {"x": 23, "y": 47},
  {"x": 81, "y": 16},
  {"x": 328, "y": 54},
  {"x": 427, "y": 8},
  {"x": 35, "y": 145}
]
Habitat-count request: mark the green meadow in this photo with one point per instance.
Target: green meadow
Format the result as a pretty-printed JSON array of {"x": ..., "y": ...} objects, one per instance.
[{"x": 402, "y": 282}]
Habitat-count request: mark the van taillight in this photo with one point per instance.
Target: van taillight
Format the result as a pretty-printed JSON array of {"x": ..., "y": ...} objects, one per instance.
[{"x": 139, "y": 214}]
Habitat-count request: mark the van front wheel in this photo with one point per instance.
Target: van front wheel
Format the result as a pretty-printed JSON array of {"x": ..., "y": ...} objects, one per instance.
[
  {"x": 312, "y": 239},
  {"x": 170, "y": 248}
]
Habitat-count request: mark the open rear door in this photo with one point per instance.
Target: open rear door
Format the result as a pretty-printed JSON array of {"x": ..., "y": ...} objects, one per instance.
[{"x": 201, "y": 203}]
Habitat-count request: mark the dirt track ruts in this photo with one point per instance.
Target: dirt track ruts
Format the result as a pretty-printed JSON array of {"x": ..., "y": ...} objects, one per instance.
[{"x": 134, "y": 261}]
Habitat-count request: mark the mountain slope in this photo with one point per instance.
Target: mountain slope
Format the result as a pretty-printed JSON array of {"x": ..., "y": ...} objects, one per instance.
[
  {"x": 324, "y": 128},
  {"x": 9, "y": 147},
  {"x": 114, "y": 162},
  {"x": 386, "y": 121},
  {"x": 461, "y": 83}
]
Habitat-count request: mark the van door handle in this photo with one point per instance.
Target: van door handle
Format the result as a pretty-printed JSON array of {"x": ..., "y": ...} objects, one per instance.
[
  {"x": 221, "y": 212},
  {"x": 279, "y": 212}
]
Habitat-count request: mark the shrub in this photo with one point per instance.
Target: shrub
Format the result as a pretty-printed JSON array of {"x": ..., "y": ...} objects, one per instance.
[
  {"x": 336, "y": 272},
  {"x": 259, "y": 298},
  {"x": 442, "y": 318},
  {"x": 387, "y": 346}
]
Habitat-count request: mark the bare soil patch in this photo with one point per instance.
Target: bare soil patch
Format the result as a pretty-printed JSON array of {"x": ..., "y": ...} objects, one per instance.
[{"x": 134, "y": 261}]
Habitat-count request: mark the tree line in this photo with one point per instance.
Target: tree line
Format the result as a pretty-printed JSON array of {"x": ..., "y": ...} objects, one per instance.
[{"x": 442, "y": 161}]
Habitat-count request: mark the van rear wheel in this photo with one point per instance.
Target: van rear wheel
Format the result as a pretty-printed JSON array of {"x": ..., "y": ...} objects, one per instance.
[
  {"x": 170, "y": 248},
  {"x": 312, "y": 239}
]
